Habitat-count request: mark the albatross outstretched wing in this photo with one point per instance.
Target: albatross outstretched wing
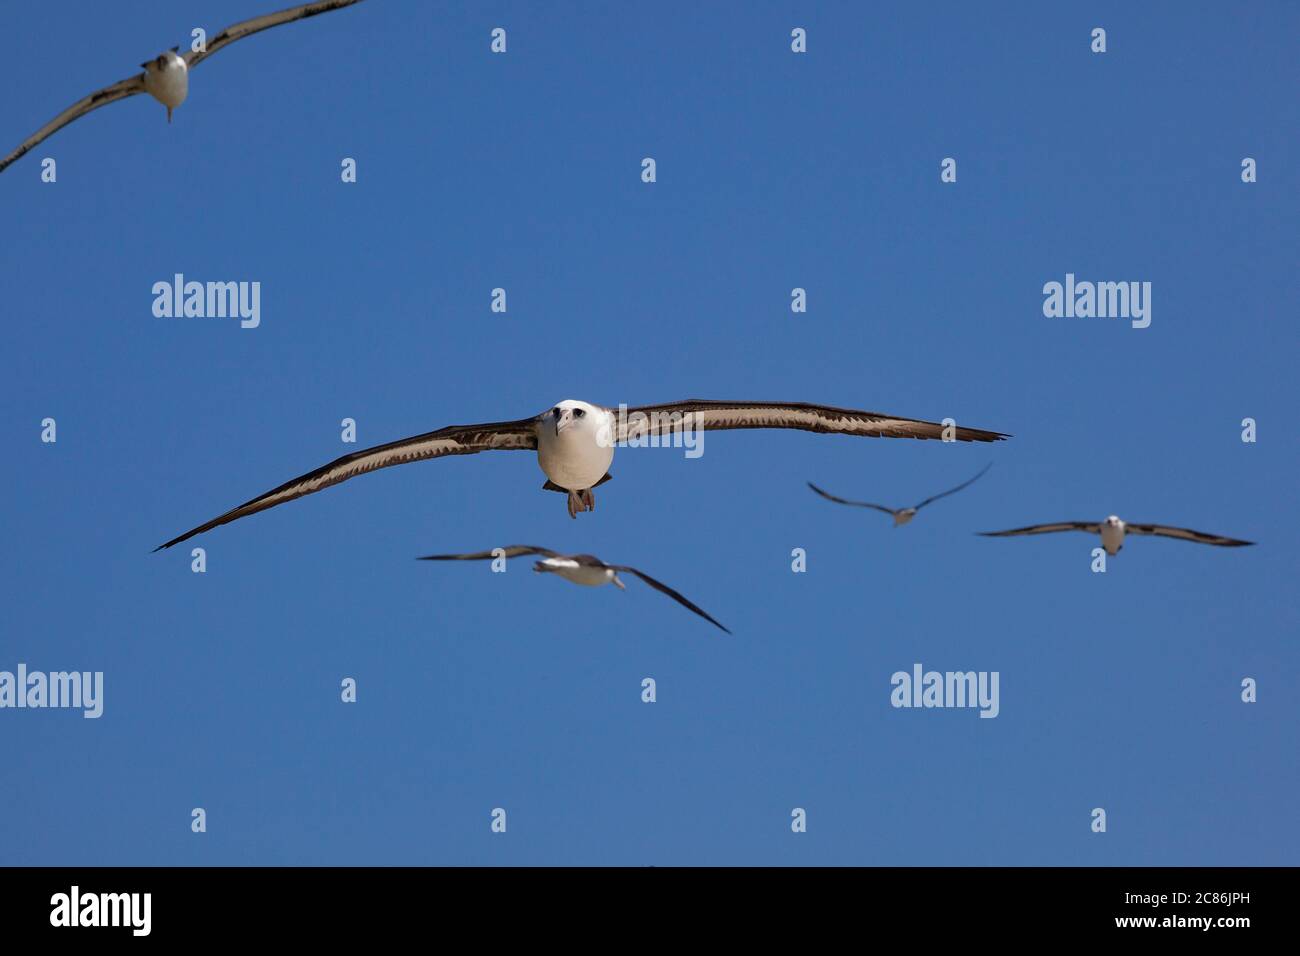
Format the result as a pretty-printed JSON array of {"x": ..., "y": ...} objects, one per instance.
[
  {"x": 246, "y": 28},
  {"x": 454, "y": 440},
  {"x": 109, "y": 94},
  {"x": 649, "y": 420},
  {"x": 1187, "y": 534},
  {"x": 1092, "y": 527},
  {"x": 665, "y": 589},
  {"x": 845, "y": 501},
  {"x": 953, "y": 491},
  {"x": 510, "y": 551}
]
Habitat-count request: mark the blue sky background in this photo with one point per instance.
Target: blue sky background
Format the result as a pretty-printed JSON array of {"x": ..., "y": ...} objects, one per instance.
[{"x": 1118, "y": 690}]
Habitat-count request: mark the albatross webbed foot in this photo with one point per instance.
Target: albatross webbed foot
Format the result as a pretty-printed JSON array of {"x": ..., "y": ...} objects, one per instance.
[{"x": 580, "y": 501}]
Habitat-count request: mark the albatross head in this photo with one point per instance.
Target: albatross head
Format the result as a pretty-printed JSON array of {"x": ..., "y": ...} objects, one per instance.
[
  {"x": 575, "y": 417},
  {"x": 167, "y": 60},
  {"x": 1114, "y": 522}
]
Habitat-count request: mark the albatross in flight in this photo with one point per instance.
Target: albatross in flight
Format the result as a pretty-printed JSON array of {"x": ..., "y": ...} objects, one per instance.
[
  {"x": 901, "y": 515},
  {"x": 1112, "y": 532},
  {"x": 166, "y": 76},
  {"x": 579, "y": 568},
  {"x": 575, "y": 441}
]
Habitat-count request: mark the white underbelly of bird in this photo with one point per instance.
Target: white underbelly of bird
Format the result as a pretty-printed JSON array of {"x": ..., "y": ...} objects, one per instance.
[
  {"x": 1112, "y": 537},
  {"x": 167, "y": 79},
  {"x": 578, "y": 573},
  {"x": 573, "y": 458}
]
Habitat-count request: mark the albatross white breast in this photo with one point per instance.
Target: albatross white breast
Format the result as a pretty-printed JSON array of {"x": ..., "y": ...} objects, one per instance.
[
  {"x": 575, "y": 443},
  {"x": 166, "y": 77}
]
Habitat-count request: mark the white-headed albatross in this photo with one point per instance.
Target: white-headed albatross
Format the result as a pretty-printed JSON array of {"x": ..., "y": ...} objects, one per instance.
[
  {"x": 575, "y": 442},
  {"x": 166, "y": 76},
  {"x": 901, "y": 515},
  {"x": 586, "y": 569},
  {"x": 1113, "y": 530}
]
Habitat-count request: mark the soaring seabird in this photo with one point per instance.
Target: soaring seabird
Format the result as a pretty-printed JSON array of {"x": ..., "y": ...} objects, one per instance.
[
  {"x": 579, "y": 568},
  {"x": 901, "y": 515},
  {"x": 575, "y": 443},
  {"x": 166, "y": 76},
  {"x": 1112, "y": 532}
]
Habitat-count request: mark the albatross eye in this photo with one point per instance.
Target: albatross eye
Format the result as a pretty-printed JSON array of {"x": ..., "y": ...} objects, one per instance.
[{"x": 578, "y": 412}]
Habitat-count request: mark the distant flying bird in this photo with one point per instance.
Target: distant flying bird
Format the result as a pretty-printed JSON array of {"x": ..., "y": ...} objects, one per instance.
[
  {"x": 901, "y": 515},
  {"x": 166, "y": 76},
  {"x": 579, "y": 568},
  {"x": 1112, "y": 532},
  {"x": 575, "y": 443}
]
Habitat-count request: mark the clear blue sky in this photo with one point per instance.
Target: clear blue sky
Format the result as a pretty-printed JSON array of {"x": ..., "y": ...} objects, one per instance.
[{"x": 1118, "y": 690}]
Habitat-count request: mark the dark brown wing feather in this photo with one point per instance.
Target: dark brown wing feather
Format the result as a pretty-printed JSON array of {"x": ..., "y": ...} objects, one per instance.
[
  {"x": 109, "y": 94},
  {"x": 453, "y": 440},
  {"x": 695, "y": 413},
  {"x": 845, "y": 501},
  {"x": 1091, "y": 527},
  {"x": 953, "y": 491},
  {"x": 510, "y": 551},
  {"x": 665, "y": 589},
  {"x": 1186, "y": 534},
  {"x": 246, "y": 28}
]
